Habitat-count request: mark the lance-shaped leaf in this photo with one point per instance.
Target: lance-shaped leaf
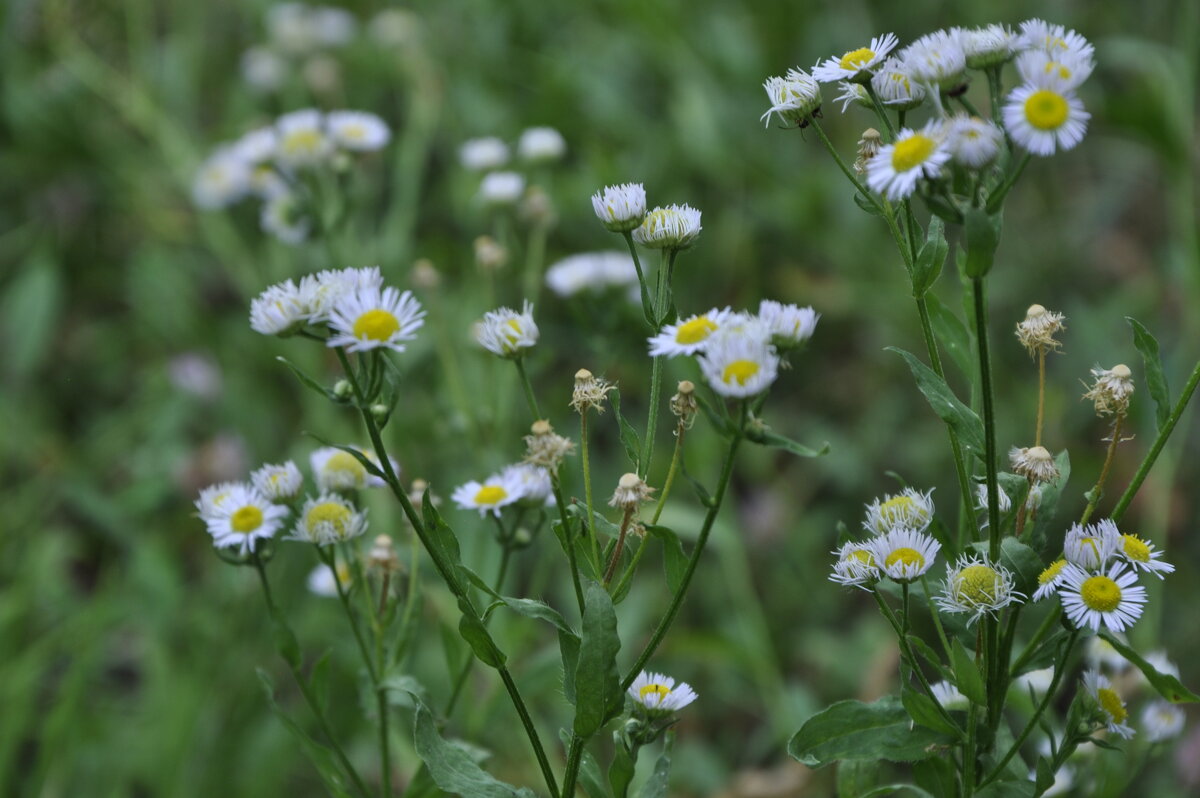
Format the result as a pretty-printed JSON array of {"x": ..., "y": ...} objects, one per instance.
[
  {"x": 854, "y": 730},
  {"x": 629, "y": 436},
  {"x": 452, "y": 768},
  {"x": 766, "y": 437},
  {"x": 957, "y": 415},
  {"x": 1167, "y": 685},
  {"x": 930, "y": 258},
  {"x": 1156, "y": 378},
  {"x": 598, "y": 693}
]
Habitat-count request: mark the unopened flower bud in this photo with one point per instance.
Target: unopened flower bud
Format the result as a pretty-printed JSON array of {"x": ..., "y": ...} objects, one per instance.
[
  {"x": 631, "y": 491},
  {"x": 545, "y": 448},
  {"x": 589, "y": 392},
  {"x": 683, "y": 403},
  {"x": 521, "y": 538},
  {"x": 343, "y": 390},
  {"x": 380, "y": 413},
  {"x": 382, "y": 555},
  {"x": 1036, "y": 332},
  {"x": 1034, "y": 463},
  {"x": 490, "y": 255},
  {"x": 1111, "y": 391}
]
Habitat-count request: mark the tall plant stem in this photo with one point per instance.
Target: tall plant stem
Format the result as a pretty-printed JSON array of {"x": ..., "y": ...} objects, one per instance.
[
  {"x": 842, "y": 164},
  {"x": 572, "y": 560},
  {"x": 989, "y": 417},
  {"x": 1041, "y": 406},
  {"x": 1156, "y": 448},
  {"x": 911, "y": 658},
  {"x": 587, "y": 484},
  {"x": 880, "y": 111},
  {"x": 461, "y": 681},
  {"x": 1098, "y": 490},
  {"x": 661, "y": 297},
  {"x": 530, "y": 398},
  {"x": 615, "y": 558},
  {"x": 643, "y": 289},
  {"x": 680, "y": 431}
]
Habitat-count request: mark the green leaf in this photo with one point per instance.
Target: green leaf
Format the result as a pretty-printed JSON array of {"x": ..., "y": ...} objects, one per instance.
[
  {"x": 923, "y": 710},
  {"x": 322, "y": 758},
  {"x": 957, "y": 415},
  {"x": 629, "y": 435},
  {"x": 1044, "y": 778},
  {"x": 318, "y": 680},
  {"x": 590, "y": 776},
  {"x": 31, "y": 309},
  {"x": 441, "y": 538},
  {"x": 371, "y": 467},
  {"x": 568, "y": 646},
  {"x": 453, "y": 768},
  {"x": 660, "y": 780},
  {"x": 285, "y": 639},
  {"x": 938, "y": 775},
  {"x": 953, "y": 336},
  {"x": 854, "y": 730},
  {"x": 1008, "y": 789},
  {"x": 716, "y": 415},
  {"x": 1167, "y": 686},
  {"x": 966, "y": 675},
  {"x": 766, "y": 437},
  {"x": 929, "y": 655},
  {"x": 621, "y": 769},
  {"x": 983, "y": 236},
  {"x": 856, "y": 778},
  {"x": 306, "y": 380},
  {"x": 674, "y": 560},
  {"x": 892, "y": 789},
  {"x": 598, "y": 693},
  {"x": 1043, "y": 524},
  {"x": 701, "y": 492},
  {"x": 1023, "y": 562},
  {"x": 401, "y": 687},
  {"x": 476, "y": 634},
  {"x": 930, "y": 258},
  {"x": 583, "y": 554},
  {"x": 1156, "y": 378},
  {"x": 867, "y": 204}
]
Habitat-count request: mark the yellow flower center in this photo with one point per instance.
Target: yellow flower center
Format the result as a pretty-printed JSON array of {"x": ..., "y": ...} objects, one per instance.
[
  {"x": 660, "y": 690},
  {"x": 1101, "y": 593},
  {"x": 1063, "y": 70},
  {"x": 863, "y": 556},
  {"x": 333, "y": 513},
  {"x": 346, "y": 463},
  {"x": 1052, "y": 571},
  {"x": 897, "y": 509},
  {"x": 301, "y": 141},
  {"x": 694, "y": 331},
  {"x": 246, "y": 519},
  {"x": 739, "y": 371},
  {"x": 377, "y": 325},
  {"x": 1136, "y": 548},
  {"x": 912, "y": 152},
  {"x": 905, "y": 556},
  {"x": 1111, "y": 703},
  {"x": 491, "y": 494},
  {"x": 354, "y": 132},
  {"x": 1046, "y": 110},
  {"x": 978, "y": 584},
  {"x": 856, "y": 59}
]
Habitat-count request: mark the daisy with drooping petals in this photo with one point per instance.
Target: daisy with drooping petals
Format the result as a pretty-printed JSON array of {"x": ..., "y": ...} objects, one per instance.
[
  {"x": 790, "y": 325},
  {"x": 855, "y": 566},
  {"x": 1112, "y": 708},
  {"x": 853, "y": 93},
  {"x": 672, "y": 227},
  {"x": 506, "y": 333},
  {"x": 489, "y": 496},
  {"x": 1091, "y": 547},
  {"x": 895, "y": 171},
  {"x": 358, "y": 130},
  {"x": 369, "y": 318},
  {"x": 1042, "y": 117},
  {"x": 278, "y": 482},
  {"x": 688, "y": 336},
  {"x": 658, "y": 693},
  {"x": 896, "y": 87},
  {"x": 739, "y": 363},
  {"x": 977, "y": 587},
  {"x": 327, "y": 519},
  {"x": 1050, "y": 578},
  {"x": 1143, "y": 556},
  {"x": 244, "y": 516},
  {"x": 904, "y": 554},
  {"x": 909, "y": 508},
  {"x": 794, "y": 97},
  {"x": 1113, "y": 599},
  {"x": 856, "y": 65}
]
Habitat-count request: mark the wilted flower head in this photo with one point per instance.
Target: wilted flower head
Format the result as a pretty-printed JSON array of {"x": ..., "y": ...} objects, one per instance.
[
  {"x": 506, "y": 333},
  {"x": 1036, "y": 332},
  {"x": 544, "y": 447},
  {"x": 622, "y": 207},
  {"x": 589, "y": 392},
  {"x": 382, "y": 556},
  {"x": 1034, "y": 463},
  {"x": 683, "y": 403},
  {"x": 631, "y": 491},
  {"x": 794, "y": 97},
  {"x": 672, "y": 227},
  {"x": 490, "y": 254},
  {"x": 868, "y": 147},
  {"x": 1111, "y": 390}
]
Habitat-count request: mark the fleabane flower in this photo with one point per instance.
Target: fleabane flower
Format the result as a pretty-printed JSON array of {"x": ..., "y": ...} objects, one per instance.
[
  {"x": 1093, "y": 546},
  {"x": 506, "y": 333},
  {"x": 937, "y": 59},
  {"x": 977, "y": 587},
  {"x": 369, "y": 319},
  {"x": 489, "y": 496},
  {"x": 483, "y": 154},
  {"x": 337, "y": 469},
  {"x": 319, "y": 291},
  {"x": 280, "y": 482},
  {"x": 1043, "y": 117},
  {"x": 904, "y": 554},
  {"x": 1111, "y": 390},
  {"x": 739, "y": 362},
  {"x": 1112, "y": 708},
  {"x": 1143, "y": 556},
  {"x": 672, "y": 227},
  {"x": 915, "y": 154},
  {"x": 283, "y": 216},
  {"x": 855, "y": 566},
  {"x": 1055, "y": 40},
  {"x": 328, "y": 519},
  {"x": 243, "y": 517},
  {"x": 501, "y": 188},
  {"x": 532, "y": 483},
  {"x": 1033, "y": 462},
  {"x": 909, "y": 508},
  {"x": 658, "y": 694},
  {"x": 541, "y": 145},
  {"x": 302, "y": 139},
  {"x": 221, "y": 180},
  {"x": 589, "y": 392},
  {"x": 1067, "y": 70},
  {"x": 622, "y": 207},
  {"x": 1112, "y": 599},
  {"x": 856, "y": 65},
  {"x": 989, "y": 46},
  {"x": 277, "y": 310},
  {"x": 358, "y": 130},
  {"x": 688, "y": 336},
  {"x": 790, "y": 325},
  {"x": 1162, "y": 721},
  {"x": 546, "y": 448},
  {"x": 214, "y": 499},
  {"x": 973, "y": 142},
  {"x": 1050, "y": 578},
  {"x": 896, "y": 87},
  {"x": 322, "y": 581},
  {"x": 591, "y": 271},
  {"x": 1036, "y": 333},
  {"x": 631, "y": 491},
  {"x": 852, "y": 93},
  {"x": 794, "y": 97},
  {"x": 946, "y": 694}
]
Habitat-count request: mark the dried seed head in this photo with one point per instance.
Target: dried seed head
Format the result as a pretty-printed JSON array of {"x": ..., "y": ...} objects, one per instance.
[
  {"x": 490, "y": 255},
  {"x": 683, "y": 403},
  {"x": 416, "y": 494},
  {"x": 1035, "y": 463},
  {"x": 537, "y": 208},
  {"x": 425, "y": 274},
  {"x": 631, "y": 491},
  {"x": 868, "y": 148},
  {"x": 589, "y": 392},
  {"x": 1036, "y": 332},
  {"x": 383, "y": 555},
  {"x": 1111, "y": 391},
  {"x": 545, "y": 448}
]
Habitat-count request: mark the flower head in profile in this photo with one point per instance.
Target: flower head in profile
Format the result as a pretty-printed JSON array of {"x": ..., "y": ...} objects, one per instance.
[
  {"x": 904, "y": 554},
  {"x": 337, "y": 469},
  {"x": 541, "y": 145},
  {"x": 855, "y": 566},
  {"x": 483, "y": 154},
  {"x": 1036, "y": 333},
  {"x": 328, "y": 519},
  {"x": 794, "y": 97},
  {"x": 370, "y": 319},
  {"x": 1034, "y": 463},
  {"x": 280, "y": 482},
  {"x": 278, "y": 310},
  {"x": 977, "y": 587},
  {"x": 302, "y": 139},
  {"x": 658, "y": 694},
  {"x": 856, "y": 65},
  {"x": 507, "y": 333},
  {"x": 1093, "y": 546},
  {"x": 973, "y": 142},
  {"x": 1143, "y": 556},
  {"x": 989, "y": 46},
  {"x": 1043, "y": 116},
  {"x": 790, "y": 325},
  {"x": 670, "y": 227},
  {"x": 1112, "y": 599},
  {"x": 915, "y": 155},
  {"x": 896, "y": 87},
  {"x": 689, "y": 336},
  {"x": 242, "y": 517},
  {"x": 358, "y": 130},
  {"x": 1162, "y": 721},
  {"x": 1110, "y": 390},
  {"x": 1112, "y": 708},
  {"x": 489, "y": 496},
  {"x": 909, "y": 508},
  {"x": 739, "y": 361},
  {"x": 937, "y": 59},
  {"x": 622, "y": 207}
]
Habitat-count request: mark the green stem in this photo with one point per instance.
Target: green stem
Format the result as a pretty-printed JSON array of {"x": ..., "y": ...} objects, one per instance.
[
  {"x": 842, "y": 164},
  {"x": 994, "y": 94},
  {"x": 969, "y": 106},
  {"x": 587, "y": 485},
  {"x": 1157, "y": 447},
  {"x": 880, "y": 111},
  {"x": 461, "y": 681},
  {"x": 615, "y": 558},
  {"x": 680, "y": 430},
  {"x": 937, "y": 619},
  {"x": 344, "y": 596},
  {"x": 574, "y": 759},
  {"x": 566, "y": 525},
  {"x": 1031, "y": 647},
  {"x": 530, "y": 399},
  {"x": 996, "y": 198},
  {"x": 535, "y": 254},
  {"x": 1098, "y": 490},
  {"x": 911, "y": 658},
  {"x": 969, "y": 751},
  {"x": 647, "y": 301},
  {"x": 989, "y": 418},
  {"x": 661, "y": 305}
]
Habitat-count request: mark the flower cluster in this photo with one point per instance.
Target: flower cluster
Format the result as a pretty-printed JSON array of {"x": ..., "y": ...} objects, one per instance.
[
  {"x": 501, "y": 186},
  {"x": 899, "y": 548},
  {"x": 298, "y": 34},
  {"x": 522, "y": 484}
]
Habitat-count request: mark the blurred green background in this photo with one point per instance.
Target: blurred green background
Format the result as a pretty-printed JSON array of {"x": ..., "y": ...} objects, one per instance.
[{"x": 131, "y": 378}]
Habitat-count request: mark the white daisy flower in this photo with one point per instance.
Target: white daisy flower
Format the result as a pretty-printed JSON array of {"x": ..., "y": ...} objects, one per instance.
[
  {"x": 909, "y": 509},
  {"x": 855, "y": 566},
  {"x": 1162, "y": 721},
  {"x": 973, "y": 142},
  {"x": 263, "y": 69},
  {"x": 541, "y": 145},
  {"x": 214, "y": 499},
  {"x": 222, "y": 180},
  {"x": 280, "y": 482},
  {"x": 321, "y": 580},
  {"x": 1050, "y": 578},
  {"x": 1111, "y": 390},
  {"x": 659, "y": 694},
  {"x": 621, "y": 207},
  {"x": 790, "y": 325},
  {"x": 977, "y": 587},
  {"x": 302, "y": 139},
  {"x": 896, "y": 87},
  {"x": 1091, "y": 547},
  {"x": 244, "y": 516},
  {"x": 1068, "y": 71},
  {"x": 591, "y": 271},
  {"x": 856, "y": 65},
  {"x": 904, "y": 554},
  {"x": 506, "y": 333},
  {"x": 689, "y": 336},
  {"x": 484, "y": 154},
  {"x": 336, "y": 469},
  {"x": 1143, "y": 556},
  {"x": 319, "y": 291},
  {"x": 489, "y": 496},
  {"x": 258, "y": 146},
  {"x": 1038, "y": 681},
  {"x": 852, "y": 93},
  {"x": 672, "y": 227},
  {"x": 533, "y": 487},
  {"x": 328, "y": 519},
  {"x": 501, "y": 188},
  {"x": 947, "y": 694},
  {"x": 794, "y": 97},
  {"x": 1043, "y": 118},
  {"x": 914, "y": 155},
  {"x": 370, "y": 318},
  {"x": 358, "y": 130},
  {"x": 1113, "y": 599},
  {"x": 1054, "y": 39},
  {"x": 277, "y": 310},
  {"x": 937, "y": 59},
  {"x": 989, "y": 46},
  {"x": 739, "y": 362},
  {"x": 1112, "y": 708},
  {"x": 283, "y": 217}
]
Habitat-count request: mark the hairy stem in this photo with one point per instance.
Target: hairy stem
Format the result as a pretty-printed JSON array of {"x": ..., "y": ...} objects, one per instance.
[{"x": 1098, "y": 490}]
